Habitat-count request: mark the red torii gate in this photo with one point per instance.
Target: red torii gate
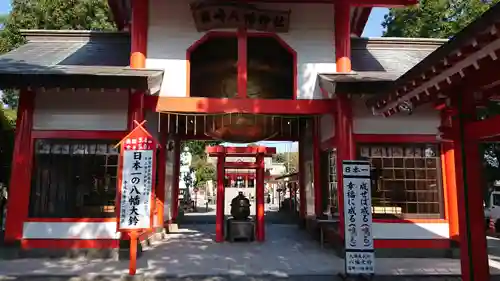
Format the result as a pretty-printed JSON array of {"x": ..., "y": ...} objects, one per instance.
[{"x": 259, "y": 152}]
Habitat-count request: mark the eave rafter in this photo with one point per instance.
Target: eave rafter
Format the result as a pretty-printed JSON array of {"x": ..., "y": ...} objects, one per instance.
[{"x": 471, "y": 65}]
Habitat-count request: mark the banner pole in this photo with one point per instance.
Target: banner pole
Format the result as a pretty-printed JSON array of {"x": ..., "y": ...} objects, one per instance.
[{"x": 133, "y": 253}]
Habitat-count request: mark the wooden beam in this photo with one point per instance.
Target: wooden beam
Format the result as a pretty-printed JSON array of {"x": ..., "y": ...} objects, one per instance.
[
  {"x": 231, "y": 151},
  {"x": 483, "y": 129},
  {"x": 240, "y": 165},
  {"x": 254, "y": 106}
]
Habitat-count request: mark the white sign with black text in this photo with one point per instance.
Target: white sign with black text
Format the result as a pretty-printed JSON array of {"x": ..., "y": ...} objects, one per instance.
[
  {"x": 137, "y": 183},
  {"x": 358, "y": 217}
]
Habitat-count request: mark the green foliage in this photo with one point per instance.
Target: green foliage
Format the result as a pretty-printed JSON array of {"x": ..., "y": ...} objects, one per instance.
[
  {"x": 433, "y": 18},
  {"x": 10, "y": 97}
]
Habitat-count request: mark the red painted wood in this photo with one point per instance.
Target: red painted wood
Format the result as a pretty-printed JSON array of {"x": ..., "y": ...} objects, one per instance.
[
  {"x": 71, "y": 219},
  {"x": 484, "y": 129},
  {"x": 345, "y": 147},
  {"x": 20, "y": 179},
  {"x": 468, "y": 167},
  {"x": 412, "y": 244},
  {"x": 259, "y": 196},
  {"x": 359, "y": 25},
  {"x": 69, "y": 244},
  {"x": 318, "y": 208},
  {"x": 240, "y": 165},
  {"x": 219, "y": 209},
  {"x": 343, "y": 36},
  {"x": 139, "y": 33},
  {"x": 136, "y": 109},
  {"x": 257, "y": 106},
  {"x": 449, "y": 181},
  {"x": 238, "y": 151}
]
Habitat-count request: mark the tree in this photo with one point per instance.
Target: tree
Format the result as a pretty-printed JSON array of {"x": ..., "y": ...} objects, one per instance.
[
  {"x": 433, "y": 18},
  {"x": 50, "y": 14}
]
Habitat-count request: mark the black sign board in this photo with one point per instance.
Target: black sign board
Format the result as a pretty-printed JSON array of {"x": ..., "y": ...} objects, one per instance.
[{"x": 215, "y": 15}]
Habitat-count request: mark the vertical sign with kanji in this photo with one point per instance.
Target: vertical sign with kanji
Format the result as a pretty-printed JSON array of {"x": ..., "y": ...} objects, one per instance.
[
  {"x": 360, "y": 258},
  {"x": 136, "y": 178}
]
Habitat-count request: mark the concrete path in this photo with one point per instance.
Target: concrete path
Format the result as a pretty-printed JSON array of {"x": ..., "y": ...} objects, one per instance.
[{"x": 287, "y": 253}]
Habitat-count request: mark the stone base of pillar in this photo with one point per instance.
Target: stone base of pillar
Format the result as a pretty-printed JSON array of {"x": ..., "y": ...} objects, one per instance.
[{"x": 172, "y": 228}]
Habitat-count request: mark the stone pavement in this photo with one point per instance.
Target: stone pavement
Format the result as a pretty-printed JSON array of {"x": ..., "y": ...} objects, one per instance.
[{"x": 192, "y": 255}]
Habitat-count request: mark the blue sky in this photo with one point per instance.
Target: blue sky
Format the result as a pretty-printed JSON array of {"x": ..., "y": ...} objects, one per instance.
[
  {"x": 4, "y": 6},
  {"x": 374, "y": 25}
]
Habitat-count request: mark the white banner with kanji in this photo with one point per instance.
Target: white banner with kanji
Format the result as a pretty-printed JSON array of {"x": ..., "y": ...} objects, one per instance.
[{"x": 136, "y": 188}]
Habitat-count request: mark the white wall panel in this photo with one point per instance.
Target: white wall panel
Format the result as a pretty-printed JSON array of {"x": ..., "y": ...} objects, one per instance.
[
  {"x": 424, "y": 120},
  {"x": 70, "y": 230},
  {"x": 81, "y": 110}
]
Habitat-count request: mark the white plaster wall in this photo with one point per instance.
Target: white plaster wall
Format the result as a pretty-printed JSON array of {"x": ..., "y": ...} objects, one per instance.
[
  {"x": 81, "y": 110},
  {"x": 411, "y": 231},
  {"x": 424, "y": 120},
  {"x": 172, "y": 31},
  {"x": 70, "y": 230},
  {"x": 327, "y": 127}
]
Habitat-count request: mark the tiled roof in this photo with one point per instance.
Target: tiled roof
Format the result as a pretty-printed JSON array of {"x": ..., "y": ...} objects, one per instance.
[
  {"x": 71, "y": 48},
  {"x": 391, "y": 56},
  {"x": 75, "y": 59}
]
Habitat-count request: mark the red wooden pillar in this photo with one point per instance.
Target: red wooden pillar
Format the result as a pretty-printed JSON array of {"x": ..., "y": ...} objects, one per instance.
[
  {"x": 219, "y": 209},
  {"x": 343, "y": 36},
  {"x": 318, "y": 208},
  {"x": 468, "y": 167},
  {"x": 449, "y": 180},
  {"x": 259, "y": 194},
  {"x": 343, "y": 129},
  {"x": 139, "y": 33},
  {"x": 20, "y": 179},
  {"x": 346, "y": 149},
  {"x": 139, "y": 43}
]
